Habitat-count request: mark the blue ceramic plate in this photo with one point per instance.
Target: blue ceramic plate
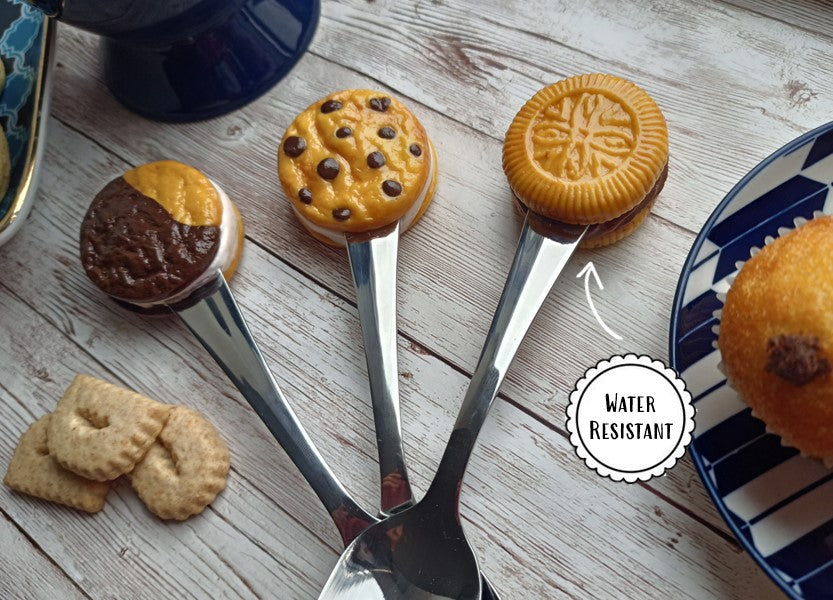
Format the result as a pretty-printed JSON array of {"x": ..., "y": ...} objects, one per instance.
[
  {"x": 779, "y": 504},
  {"x": 26, "y": 40}
]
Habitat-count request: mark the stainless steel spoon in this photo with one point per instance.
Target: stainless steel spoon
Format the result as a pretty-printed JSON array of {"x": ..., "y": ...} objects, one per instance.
[
  {"x": 373, "y": 258},
  {"x": 422, "y": 553},
  {"x": 213, "y": 316}
]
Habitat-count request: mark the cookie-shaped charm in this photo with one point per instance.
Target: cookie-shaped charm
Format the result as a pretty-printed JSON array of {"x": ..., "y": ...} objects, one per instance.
[
  {"x": 158, "y": 233},
  {"x": 356, "y": 161},
  {"x": 184, "y": 469},
  {"x": 590, "y": 149},
  {"x": 34, "y": 471},
  {"x": 100, "y": 431}
]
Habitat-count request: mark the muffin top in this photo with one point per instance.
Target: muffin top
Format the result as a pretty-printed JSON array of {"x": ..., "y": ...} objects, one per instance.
[
  {"x": 586, "y": 149},
  {"x": 354, "y": 161},
  {"x": 776, "y": 336}
]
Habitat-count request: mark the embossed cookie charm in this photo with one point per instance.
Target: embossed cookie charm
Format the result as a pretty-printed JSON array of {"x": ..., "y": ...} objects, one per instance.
[
  {"x": 356, "y": 161},
  {"x": 590, "y": 149}
]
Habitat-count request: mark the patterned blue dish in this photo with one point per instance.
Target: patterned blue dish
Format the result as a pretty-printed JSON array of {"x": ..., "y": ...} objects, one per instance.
[
  {"x": 25, "y": 47},
  {"x": 778, "y": 503}
]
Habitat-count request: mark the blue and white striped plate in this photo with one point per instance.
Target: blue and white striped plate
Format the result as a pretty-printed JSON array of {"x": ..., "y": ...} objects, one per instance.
[{"x": 779, "y": 504}]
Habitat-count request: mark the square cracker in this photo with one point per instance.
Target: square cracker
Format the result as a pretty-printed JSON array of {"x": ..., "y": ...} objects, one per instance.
[{"x": 33, "y": 471}]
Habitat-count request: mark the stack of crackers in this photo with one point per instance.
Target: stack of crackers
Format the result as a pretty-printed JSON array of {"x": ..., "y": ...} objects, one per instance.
[{"x": 175, "y": 459}]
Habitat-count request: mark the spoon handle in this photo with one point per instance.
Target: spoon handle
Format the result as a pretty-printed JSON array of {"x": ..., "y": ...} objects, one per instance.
[
  {"x": 540, "y": 257},
  {"x": 214, "y": 318},
  {"x": 373, "y": 264}
]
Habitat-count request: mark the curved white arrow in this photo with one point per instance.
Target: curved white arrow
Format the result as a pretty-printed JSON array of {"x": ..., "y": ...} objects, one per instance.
[{"x": 588, "y": 271}]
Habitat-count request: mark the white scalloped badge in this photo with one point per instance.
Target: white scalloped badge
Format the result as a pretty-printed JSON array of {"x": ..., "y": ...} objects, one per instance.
[{"x": 630, "y": 418}]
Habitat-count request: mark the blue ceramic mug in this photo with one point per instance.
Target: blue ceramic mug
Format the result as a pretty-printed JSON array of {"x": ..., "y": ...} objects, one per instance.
[{"x": 184, "y": 60}]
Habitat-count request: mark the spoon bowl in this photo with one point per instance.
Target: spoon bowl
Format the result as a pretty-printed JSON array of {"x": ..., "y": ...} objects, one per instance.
[{"x": 418, "y": 554}]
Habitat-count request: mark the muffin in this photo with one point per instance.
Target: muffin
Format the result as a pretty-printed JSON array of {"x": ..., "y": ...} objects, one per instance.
[
  {"x": 356, "y": 161},
  {"x": 588, "y": 150},
  {"x": 157, "y": 233},
  {"x": 776, "y": 337}
]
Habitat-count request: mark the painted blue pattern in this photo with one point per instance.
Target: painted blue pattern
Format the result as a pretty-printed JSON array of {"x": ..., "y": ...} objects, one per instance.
[
  {"x": 822, "y": 147},
  {"x": 20, "y": 49},
  {"x": 779, "y": 504}
]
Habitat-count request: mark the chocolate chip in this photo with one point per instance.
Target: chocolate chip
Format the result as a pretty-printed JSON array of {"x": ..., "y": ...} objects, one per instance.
[
  {"x": 415, "y": 149},
  {"x": 328, "y": 168},
  {"x": 343, "y": 132},
  {"x": 305, "y": 195},
  {"x": 330, "y": 106},
  {"x": 375, "y": 160},
  {"x": 341, "y": 214},
  {"x": 387, "y": 133},
  {"x": 380, "y": 104},
  {"x": 797, "y": 359},
  {"x": 392, "y": 188},
  {"x": 294, "y": 146}
]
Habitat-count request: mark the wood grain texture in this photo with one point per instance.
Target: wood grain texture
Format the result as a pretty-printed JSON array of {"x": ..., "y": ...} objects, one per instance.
[
  {"x": 720, "y": 74},
  {"x": 452, "y": 265},
  {"x": 812, "y": 16},
  {"x": 543, "y": 524},
  {"x": 28, "y": 571},
  {"x": 735, "y": 79}
]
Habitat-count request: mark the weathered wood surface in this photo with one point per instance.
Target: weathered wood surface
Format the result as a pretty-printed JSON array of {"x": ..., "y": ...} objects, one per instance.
[
  {"x": 736, "y": 80},
  {"x": 267, "y": 531},
  {"x": 447, "y": 296},
  {"x": 26, "y": 567}
]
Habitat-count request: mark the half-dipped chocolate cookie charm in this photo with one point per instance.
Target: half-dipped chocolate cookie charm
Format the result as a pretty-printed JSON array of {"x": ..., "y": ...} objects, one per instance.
[
  {"x": 157, "y": 233},
  {"x": 367, "y": 163}
]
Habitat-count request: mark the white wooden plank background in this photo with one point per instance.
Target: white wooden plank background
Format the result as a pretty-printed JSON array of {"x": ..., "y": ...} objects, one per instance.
[{"x": 736, "y": 80}]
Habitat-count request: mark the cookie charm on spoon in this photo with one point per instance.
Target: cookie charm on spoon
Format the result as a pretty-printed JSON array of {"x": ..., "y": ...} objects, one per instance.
[
  {"x": 359, "y": 169},
  {"x": 159, "y": 232},
  {"x": 588, "y": 150},
  {"x": 423, "y": 552},
  {"x": 356, "y": 161}
]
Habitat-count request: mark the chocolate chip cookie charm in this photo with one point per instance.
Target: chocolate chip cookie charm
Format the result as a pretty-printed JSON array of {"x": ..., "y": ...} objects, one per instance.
[
  {"x": 356, "y": 161},
  {"x": 157, "y": 233}
]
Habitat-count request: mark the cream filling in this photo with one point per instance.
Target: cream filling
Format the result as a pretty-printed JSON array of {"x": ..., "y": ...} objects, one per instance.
[
  {"x": 405, "y": 221},
  {"x": 227, "y": 247}
]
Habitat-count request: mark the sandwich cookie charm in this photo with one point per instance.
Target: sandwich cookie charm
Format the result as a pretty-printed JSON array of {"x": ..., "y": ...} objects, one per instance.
[
  {"x": 589, "y": 150},
  {"x": 359, "y": 169},
  {"x": 159, "y": 232},
  {"x": 356, "y": 161}
]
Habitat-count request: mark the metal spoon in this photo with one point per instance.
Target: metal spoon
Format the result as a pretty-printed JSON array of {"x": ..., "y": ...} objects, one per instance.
[
  {"x": 373, "y": 258},
  {"x": 422, "y": 553},
  {"x": 213, "y": 316}
]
